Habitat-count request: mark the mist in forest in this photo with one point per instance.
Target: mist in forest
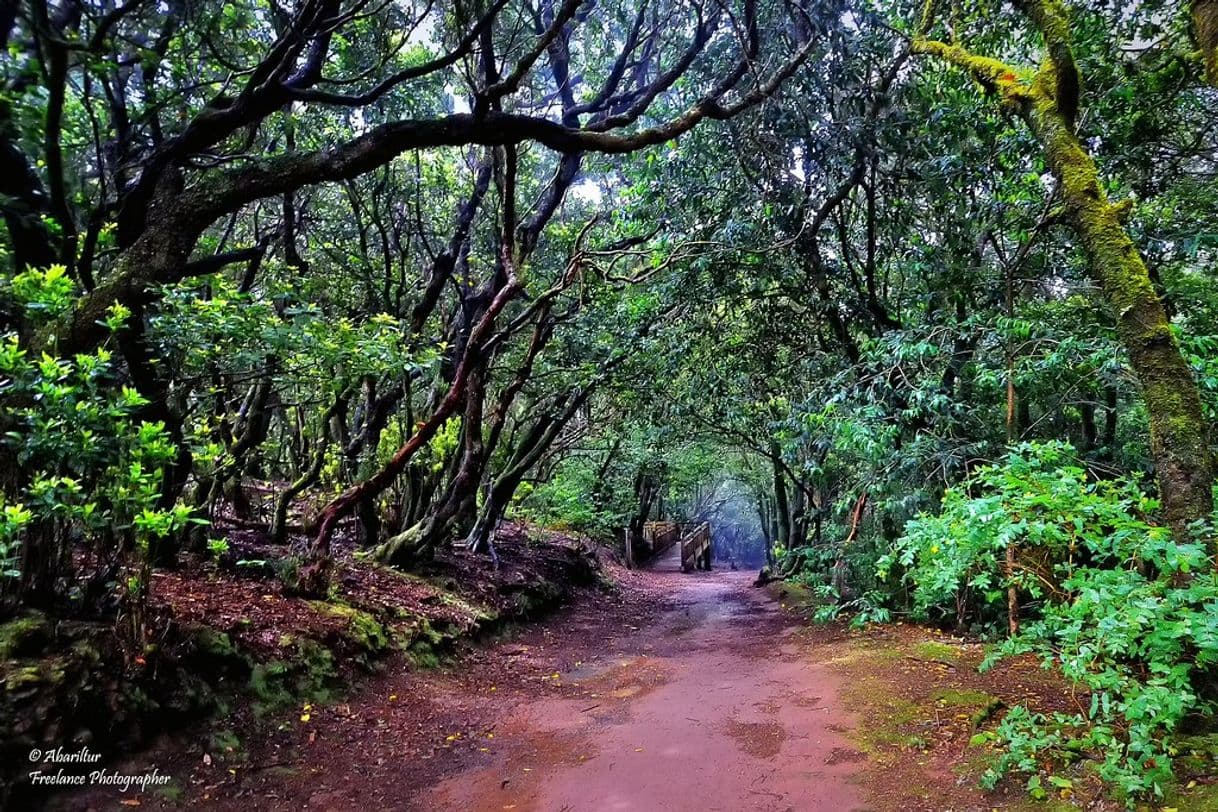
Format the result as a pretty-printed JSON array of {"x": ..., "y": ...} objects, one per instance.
[{"x": 736, "y": 534}]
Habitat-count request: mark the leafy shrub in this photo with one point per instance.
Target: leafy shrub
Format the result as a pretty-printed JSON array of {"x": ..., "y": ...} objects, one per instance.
[
  {"x": 564, "y": 502},
  {"x": 867, "y": 608},
  {"x": 1039, "y": 501},
  {"x": 87, "y": 491},
  {"x": 1122, "y": 609}
]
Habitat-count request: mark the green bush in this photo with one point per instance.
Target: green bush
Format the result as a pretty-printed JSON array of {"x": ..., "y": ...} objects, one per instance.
[
  {"x": 565, "y": 502},
  {"x": 1120, "y": 607},
  {"x": 79, "y": 524}
]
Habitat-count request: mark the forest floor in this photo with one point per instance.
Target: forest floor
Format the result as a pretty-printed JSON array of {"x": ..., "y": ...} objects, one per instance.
[{"x": 672, "y": 691}]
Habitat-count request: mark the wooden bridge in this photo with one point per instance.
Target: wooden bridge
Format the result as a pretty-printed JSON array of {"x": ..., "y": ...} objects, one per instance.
[
  {"x": 696, "y": 548},
  {"x": 692, "y": 540}
]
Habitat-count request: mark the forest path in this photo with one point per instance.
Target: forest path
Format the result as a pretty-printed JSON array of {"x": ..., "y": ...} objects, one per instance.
[
  {"x": 672, "y": 691},
  {"x": 713, "y": 704}
]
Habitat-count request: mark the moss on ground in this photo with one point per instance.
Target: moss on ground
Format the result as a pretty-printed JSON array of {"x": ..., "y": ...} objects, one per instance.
[
  {"x": 961, "y": 697},
  {"x": 1198, "y": 798},
  {"x": 794, "y": 596},
  {"x": 885, "y": 728},
  {"x": 936, "y": 650},
  {"x": 23, "y": 635}
]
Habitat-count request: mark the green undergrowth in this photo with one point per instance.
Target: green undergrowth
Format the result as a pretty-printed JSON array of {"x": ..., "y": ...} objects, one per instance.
[
  {"x": 900, "y": 720},
  {"x": 1111, "y": 601}
]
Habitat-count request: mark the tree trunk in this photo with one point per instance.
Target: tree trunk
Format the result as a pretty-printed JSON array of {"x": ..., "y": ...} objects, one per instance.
[
  {"x": 1179, "y": 445},
  {"x": 1205, "y": 27},
  {"x": 782, "y": 508}
]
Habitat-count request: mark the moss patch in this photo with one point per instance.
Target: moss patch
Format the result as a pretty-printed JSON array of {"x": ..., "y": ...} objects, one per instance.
[
  {"x": 1199, "y": 798},
  {"x": 23, "y": 636},
  {"x": 962, "y": 698},
  {"x": 362, "y": 630},
  {"x": 918, "y": 702},
  {"x": 793, "y": 596},
  {"x": 936, "y": 650}
]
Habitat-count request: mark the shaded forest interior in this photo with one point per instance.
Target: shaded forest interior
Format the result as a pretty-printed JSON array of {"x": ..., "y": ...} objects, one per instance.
[{"x": 914, "y": 302}]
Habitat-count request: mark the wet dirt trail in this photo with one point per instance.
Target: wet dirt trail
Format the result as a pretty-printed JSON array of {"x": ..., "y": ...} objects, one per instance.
[
  {"x": 672, "y": 691},
  {"x": 712, "y": 705}
]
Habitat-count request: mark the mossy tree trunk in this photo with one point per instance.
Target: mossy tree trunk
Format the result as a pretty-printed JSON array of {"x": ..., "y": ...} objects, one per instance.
[
  {"x": 1179, "y": 444},
  {"x": 1047, "y": 100},
  {"x": 1205, "y": 28}
]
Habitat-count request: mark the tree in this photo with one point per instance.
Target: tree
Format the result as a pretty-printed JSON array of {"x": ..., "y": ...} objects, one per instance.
[{"x": 1048, "y": 100}]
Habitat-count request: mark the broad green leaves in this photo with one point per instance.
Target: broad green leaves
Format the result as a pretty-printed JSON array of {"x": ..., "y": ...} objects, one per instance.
[{"x": 1116, "y": 609}]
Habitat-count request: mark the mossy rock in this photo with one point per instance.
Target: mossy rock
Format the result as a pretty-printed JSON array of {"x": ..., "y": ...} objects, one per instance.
[
  {"x": 422, "y": 641},
  {"x": 423, "y": 656},
  {"x": 537, "y": 599},
  {"x": 269, "y": 684},
  {"x": 24, "y": 636},
  {"x": 362, "y": 630},
  {"x": 213, "y": 642},
  {"x": 316, "y": 671},
  {"x": 20, "y": 677}
]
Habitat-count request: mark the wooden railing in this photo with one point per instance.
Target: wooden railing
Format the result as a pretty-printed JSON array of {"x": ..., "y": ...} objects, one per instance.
[
  {"x": 696, "y": 548},
  {"x": 659, "y": 536}
]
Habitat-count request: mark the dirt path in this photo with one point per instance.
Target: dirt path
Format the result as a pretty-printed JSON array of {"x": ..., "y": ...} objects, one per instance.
[
  {"x": 673, "y": 692},
  {"x": 712, "y": 705}
]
